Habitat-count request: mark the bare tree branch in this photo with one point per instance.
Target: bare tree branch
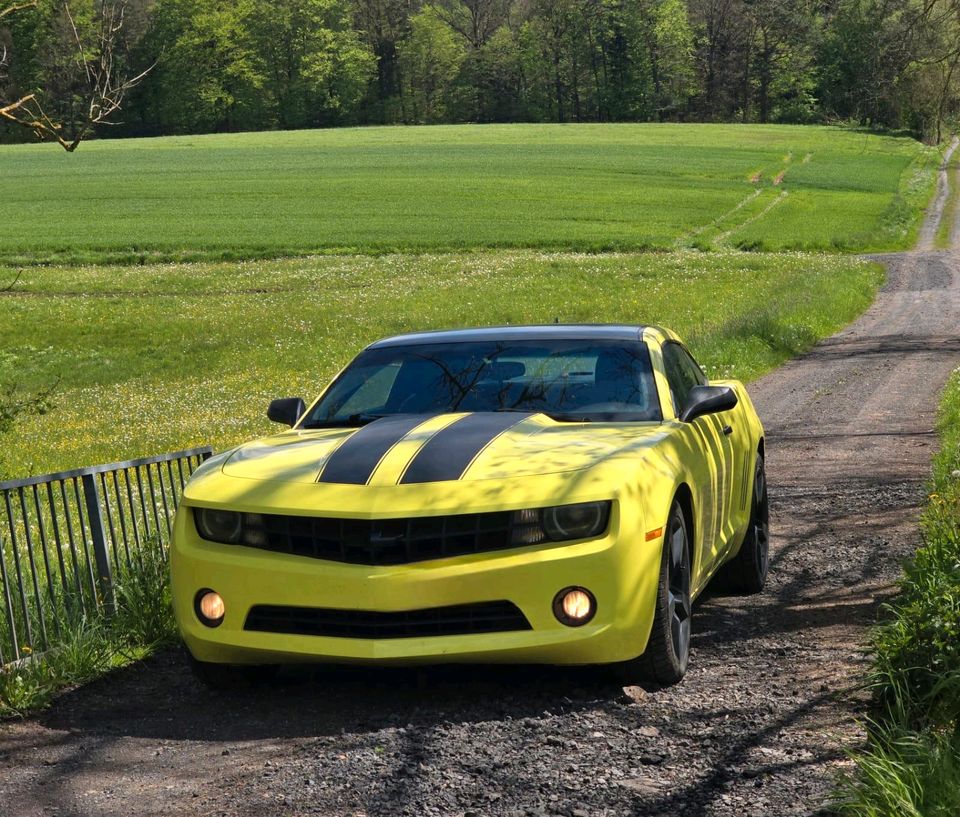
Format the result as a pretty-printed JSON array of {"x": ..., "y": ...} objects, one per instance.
[
  {"x": 104, "y": 86},
  {"x": 17, "y": 7},
  {"x": 76, "y": 38},
  {"x": 9, "y": 287}
]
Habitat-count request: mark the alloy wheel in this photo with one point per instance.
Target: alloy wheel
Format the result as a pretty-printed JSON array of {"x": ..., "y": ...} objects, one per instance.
[{"x": 678, "y": 589}]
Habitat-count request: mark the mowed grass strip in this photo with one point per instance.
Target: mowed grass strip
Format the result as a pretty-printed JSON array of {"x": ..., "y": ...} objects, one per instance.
[
  {"x": 157, "y": 358},
  {"x": 950, "y": 219},
  {"x": 373, "y": 190}
]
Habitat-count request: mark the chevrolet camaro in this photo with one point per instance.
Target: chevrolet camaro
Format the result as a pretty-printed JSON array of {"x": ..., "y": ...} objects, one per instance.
[{"x": 530, "y": 494}]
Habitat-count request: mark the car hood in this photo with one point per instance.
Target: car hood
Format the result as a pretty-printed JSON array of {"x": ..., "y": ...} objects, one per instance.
[{"x": 451, "y": 447}]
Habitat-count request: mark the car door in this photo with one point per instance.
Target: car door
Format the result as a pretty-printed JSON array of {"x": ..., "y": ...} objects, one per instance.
[{"x": 712, "y": 436}]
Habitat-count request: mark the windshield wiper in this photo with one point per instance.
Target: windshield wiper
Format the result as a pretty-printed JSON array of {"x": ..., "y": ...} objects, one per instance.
[
  {"x": 559, "y": 416},
  {"x": 364, "y": 417},
  {"x": 353, "y": 421},
  {"x": 567, "y": 417}
]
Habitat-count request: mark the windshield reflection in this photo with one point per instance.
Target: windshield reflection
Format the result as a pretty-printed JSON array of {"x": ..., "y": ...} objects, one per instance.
[{"x": 572, "y": 380}]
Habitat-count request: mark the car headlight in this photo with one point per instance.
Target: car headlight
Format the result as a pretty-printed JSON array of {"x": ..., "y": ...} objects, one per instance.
[
  {"x": 230, "y": 527},
  {"x": 561, "y": 523},
  {"x": 218, "y": 526}
]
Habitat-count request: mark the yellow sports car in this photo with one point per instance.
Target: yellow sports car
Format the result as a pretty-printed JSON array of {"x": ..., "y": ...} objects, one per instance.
[{"x": 532, "y": 494}]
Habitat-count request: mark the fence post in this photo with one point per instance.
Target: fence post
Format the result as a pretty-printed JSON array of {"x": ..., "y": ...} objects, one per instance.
[{"x": 95, "y": 518}]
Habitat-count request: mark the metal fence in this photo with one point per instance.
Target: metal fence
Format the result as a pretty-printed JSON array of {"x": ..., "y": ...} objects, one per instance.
[{"x": 64, "y": 536}]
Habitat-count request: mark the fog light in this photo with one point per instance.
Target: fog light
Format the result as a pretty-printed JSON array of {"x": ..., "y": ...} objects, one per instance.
[
  {"x": 209, "y": 607},
  {"x": 574, "y": 606}
]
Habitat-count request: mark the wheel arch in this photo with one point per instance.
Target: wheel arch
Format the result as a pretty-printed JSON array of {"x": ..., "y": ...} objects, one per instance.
[{"x": 684, "y": 496}]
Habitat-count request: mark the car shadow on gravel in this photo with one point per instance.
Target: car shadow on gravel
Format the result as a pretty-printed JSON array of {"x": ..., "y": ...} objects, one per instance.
[{"x": 159, "y": 698}]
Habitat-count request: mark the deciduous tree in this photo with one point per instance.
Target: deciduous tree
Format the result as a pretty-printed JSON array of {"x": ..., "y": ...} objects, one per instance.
[{"x": 430, "y": 58}]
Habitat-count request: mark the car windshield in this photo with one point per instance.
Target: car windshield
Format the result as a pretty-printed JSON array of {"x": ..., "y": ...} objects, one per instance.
[{"x": 573, "y": 380}]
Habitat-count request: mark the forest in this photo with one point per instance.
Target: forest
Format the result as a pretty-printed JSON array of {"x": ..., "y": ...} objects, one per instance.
[{"x": 197, "y": 66}]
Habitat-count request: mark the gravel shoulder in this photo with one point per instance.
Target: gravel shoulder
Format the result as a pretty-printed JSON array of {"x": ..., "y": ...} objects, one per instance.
[{"x": 758, "y": 726}]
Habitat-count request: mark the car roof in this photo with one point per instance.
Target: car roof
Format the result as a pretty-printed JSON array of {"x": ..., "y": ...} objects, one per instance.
[{"x": 577, "y": 331}]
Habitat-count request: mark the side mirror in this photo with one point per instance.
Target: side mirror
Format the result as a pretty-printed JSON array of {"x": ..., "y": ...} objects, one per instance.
[
  {"x": 286, "y": 410},
  {"x": 707, "y": 400}
]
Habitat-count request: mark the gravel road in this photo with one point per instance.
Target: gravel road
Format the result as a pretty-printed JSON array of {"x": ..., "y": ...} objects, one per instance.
[{"x": 758, "y": 726}]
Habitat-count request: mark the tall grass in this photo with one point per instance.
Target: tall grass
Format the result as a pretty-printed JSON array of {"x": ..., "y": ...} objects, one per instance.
[
  {"x": 144, "y": 614},
  {"x": 90, "y": 645},
  {"x": 911, "y": 764}
]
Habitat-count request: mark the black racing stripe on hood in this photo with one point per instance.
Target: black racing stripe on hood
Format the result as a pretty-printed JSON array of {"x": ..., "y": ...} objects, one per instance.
[
  {"x": 449, "y": 452},
  {"x": 355, "y": 460}
]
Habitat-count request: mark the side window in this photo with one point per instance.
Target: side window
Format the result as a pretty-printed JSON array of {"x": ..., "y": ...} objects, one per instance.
[
  {"x": 695, "y": 373},
  {"x": 682, "y": 373}
]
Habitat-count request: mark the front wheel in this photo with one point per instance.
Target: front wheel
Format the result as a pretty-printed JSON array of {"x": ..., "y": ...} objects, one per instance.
[{"x": 664, "y": 662}]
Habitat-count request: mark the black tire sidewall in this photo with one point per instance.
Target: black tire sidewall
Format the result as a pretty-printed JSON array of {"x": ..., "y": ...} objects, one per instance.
[{"x": 759, "y": 506}]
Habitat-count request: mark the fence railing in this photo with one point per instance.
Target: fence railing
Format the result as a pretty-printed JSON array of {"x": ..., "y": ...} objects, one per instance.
[{"x": 64, "y": 536}]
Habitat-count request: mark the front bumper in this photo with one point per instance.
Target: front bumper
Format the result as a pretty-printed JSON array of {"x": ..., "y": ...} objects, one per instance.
[{"x": 620, "y": 569}]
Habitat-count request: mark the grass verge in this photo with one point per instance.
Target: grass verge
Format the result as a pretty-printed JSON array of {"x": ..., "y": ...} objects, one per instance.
[
  {"x": 157, "y": 358},
  {"x": 911, "y": 764},
  {"x": 943, "y": 239},
  {"x": 91, "y": 646}
]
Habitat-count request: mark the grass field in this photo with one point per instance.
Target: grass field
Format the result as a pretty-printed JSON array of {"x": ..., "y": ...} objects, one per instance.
[
  {"x": 160, "y": 357},
  {"x": 554, "y": 187}
]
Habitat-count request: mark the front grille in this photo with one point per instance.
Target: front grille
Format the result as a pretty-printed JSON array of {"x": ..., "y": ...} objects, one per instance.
[
  {"x": 387, "y": 541},
  {"x": 461, "y": 619}
]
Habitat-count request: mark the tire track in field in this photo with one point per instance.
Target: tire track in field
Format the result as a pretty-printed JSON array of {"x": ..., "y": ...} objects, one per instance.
[
  {"x": 684, "y": 241},
  {"x": 724, "y": 236},
  {"x": 720, "y": 239}
]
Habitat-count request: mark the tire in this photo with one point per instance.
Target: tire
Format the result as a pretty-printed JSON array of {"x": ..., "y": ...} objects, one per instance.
[
  {"x": 746, "y": 573},
  {"x": 668, "y": 650},
  {"x": 230, "y": 676}
]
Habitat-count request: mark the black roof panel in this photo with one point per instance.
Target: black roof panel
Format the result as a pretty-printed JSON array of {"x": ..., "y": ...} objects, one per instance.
[{"x": 599, "y": 331}]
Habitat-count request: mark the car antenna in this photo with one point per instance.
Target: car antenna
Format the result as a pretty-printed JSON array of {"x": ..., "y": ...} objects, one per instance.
[{"x": 556, "y": 319}]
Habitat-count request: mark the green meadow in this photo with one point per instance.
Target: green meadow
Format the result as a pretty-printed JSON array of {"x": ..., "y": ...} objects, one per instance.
[
  {"x": 156, "y": 358},
  {"x": 372, "y": 190},
  {"x": 168, "y": 288}
]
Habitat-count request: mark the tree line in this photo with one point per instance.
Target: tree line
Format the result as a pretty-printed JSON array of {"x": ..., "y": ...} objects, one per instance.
[{"x": 193, "y": 66}]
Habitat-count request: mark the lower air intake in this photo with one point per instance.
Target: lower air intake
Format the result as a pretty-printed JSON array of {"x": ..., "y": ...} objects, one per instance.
[{"x": 461, "y": 619}]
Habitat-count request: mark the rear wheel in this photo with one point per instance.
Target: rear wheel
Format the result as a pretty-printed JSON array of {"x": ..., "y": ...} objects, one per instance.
[
  {"x": 747, "y": 571},
  {"x": 665, "y": 660}
]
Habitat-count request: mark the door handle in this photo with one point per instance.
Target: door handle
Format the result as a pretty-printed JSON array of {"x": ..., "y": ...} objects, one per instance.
[{"x": 727, "y": 431}]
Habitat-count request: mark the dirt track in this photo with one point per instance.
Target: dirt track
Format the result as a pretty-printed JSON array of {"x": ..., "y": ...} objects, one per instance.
[{"x": 757, "y": 727}]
